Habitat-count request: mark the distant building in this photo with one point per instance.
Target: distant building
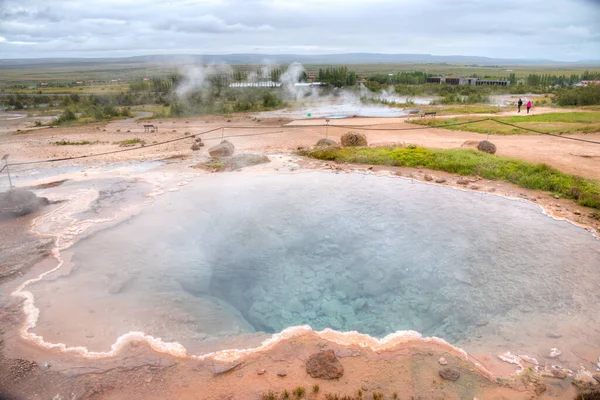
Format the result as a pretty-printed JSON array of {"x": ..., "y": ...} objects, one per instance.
[
  {"x": 44, "y": 84},
  {"x": 467, "y": 81},
  {"x": 587, "y": 83},
  {"x": 255, "y": 84}
]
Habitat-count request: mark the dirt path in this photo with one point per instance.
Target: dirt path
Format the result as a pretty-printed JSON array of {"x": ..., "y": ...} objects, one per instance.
[{"x": 268, "y": 135}]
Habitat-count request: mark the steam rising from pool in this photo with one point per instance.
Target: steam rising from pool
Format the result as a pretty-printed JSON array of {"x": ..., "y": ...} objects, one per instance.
[{"x": 233, "y": 258}]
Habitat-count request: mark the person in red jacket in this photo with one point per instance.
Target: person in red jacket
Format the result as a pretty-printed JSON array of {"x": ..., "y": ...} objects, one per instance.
[{"x": 529, "y": 105}]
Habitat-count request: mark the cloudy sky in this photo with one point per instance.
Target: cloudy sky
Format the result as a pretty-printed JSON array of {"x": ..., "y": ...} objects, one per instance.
[{"x": 565, "y": 30}]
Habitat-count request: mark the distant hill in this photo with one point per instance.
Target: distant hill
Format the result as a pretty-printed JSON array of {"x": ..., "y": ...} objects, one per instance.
[{"x": 350, "y": 58}]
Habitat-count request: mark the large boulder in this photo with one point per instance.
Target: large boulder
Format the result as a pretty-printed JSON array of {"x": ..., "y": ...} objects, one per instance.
[
  {"x": 326, "y": 144},
  {"x": 223, "y": 149},
  {"x": 19, "y": 202},
  {"x": 324, "y": 365},
  {"x": 353, "y": 139},
  {"x": 486, "y": 147}
]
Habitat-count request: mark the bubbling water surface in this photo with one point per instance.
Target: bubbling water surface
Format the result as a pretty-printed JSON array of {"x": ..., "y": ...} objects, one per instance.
[{"x": 232, "y": 258}]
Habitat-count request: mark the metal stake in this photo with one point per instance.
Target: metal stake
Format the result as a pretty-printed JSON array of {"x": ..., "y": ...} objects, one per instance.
[{"x": 5, "y": 158}]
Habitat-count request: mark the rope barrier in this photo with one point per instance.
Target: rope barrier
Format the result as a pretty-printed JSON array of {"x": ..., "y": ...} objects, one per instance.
[{"x": 292, "y": 126}]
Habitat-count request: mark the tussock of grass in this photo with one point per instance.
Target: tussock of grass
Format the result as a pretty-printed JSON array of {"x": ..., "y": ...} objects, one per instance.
[
  {"x": 470, "y": 162},
  {"x": 70, "y": 143},
  {"x": 130, "y": 142}
]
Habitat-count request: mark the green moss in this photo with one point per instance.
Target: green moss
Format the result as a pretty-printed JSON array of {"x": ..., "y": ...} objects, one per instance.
[
  {"x": 130, "y": 142},
  {"x": 470, "y": 162},
  {"x": 69, "y": 143}
]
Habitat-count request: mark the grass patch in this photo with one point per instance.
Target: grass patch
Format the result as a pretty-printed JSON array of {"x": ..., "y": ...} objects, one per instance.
[
  {"x": 557, "y": 123},
  {"x": 475, "y": 109},
  {"x": 79, "y": 143},
  {"x": 130, "y": 142},
  {"x": 470, "y": 162},
  {"x": 233, "y": 163}
]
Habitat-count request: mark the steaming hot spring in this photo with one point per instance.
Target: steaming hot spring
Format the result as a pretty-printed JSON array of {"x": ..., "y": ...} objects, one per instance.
[{"x": 231, "y": 259}]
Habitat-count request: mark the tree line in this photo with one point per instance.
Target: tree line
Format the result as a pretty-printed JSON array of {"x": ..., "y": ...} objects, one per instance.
[{"x": 337, "y": 76}]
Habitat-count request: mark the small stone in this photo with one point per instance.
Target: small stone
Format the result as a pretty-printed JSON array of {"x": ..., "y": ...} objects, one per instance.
[
  {"x": 440, "y": 180},
  {"x": 282, "y": 373},
  {"x": 474, "y": 187},
  {"x": 443, "y": 361},
  {"x": 261, "y": 371},
  {"x": 554, "y": 335},
  {"x": 557, "y": 197},
  {"x": 559, "y": 373},
  {"x": 462, "y": 182},
  {"x": 428, "y": 177},
  {"x": 240, "y": 374},
  {"x": 449, "y": 374},
  {"x": 148, "y": 379},
  {"x": 576, "y": 212},
  {"x": 554, "y": 352},
  {"x": 45, "y": 365},
  {"x": 540, "y": 388}
]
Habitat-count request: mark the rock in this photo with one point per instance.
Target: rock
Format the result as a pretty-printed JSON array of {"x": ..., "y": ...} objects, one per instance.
[
  {"x": 353, "y": 139},
  {"x": 261, "y": 371},
  {"x": 223, "y": 149},
  {"x": 195, "y": 147},
  {"x": 443, "y": 361},
  {"x": 440, "y": 180},
  {"x": 462, "y": 182},
  {"x": 324, "y": 365},
  {"x": 577, "y": 212},
  {"x": 428, "y": 177},
  {"x": 486, "y": 147},
  {"x": 327, "y": 143},
  {"x": 282, "y": 373},
  {"x": 560, "y": 373},
  {"x": 557, "y": 197},
  {"x": 539, "y": 388},
  {"x": 554, "y": 335},
  {"x": 18, "y": 202},
  {"x": 583, "y": 378},
  {"x": 449, "y": 374},
  {"x": 554, "y": 352},
  {"x": 474, "y": 187}
]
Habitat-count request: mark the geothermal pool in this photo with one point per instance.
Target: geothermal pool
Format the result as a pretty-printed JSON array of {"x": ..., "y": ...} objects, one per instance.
[{"x": 232, "y": 258}]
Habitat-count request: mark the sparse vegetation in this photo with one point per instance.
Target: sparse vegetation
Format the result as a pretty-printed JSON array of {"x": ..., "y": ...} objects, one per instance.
[
  {"x": 130, "y": 142},
  {"x": 470, "y": 162},
  {"x": 316, "y": 389},
  {"x": 79, "y": 143},
  {"x": 269, "y": 396},
  {"x": 377, "y": 396},
  {"x": 298, "y": 392},
  {"x": 285, "y": 395}
]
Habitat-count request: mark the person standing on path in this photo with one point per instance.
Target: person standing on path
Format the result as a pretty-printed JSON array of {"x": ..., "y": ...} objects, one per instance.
[
  {"x": 520, "y": 104},
  {"x": 529, "y": 105}
]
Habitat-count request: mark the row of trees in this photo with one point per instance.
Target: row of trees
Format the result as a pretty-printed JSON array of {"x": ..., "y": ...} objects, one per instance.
[{"x": 337, "y": 76}]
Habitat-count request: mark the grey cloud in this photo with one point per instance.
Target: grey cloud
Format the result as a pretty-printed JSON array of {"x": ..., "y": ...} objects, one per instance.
[{"x": 554, "y": 29}]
